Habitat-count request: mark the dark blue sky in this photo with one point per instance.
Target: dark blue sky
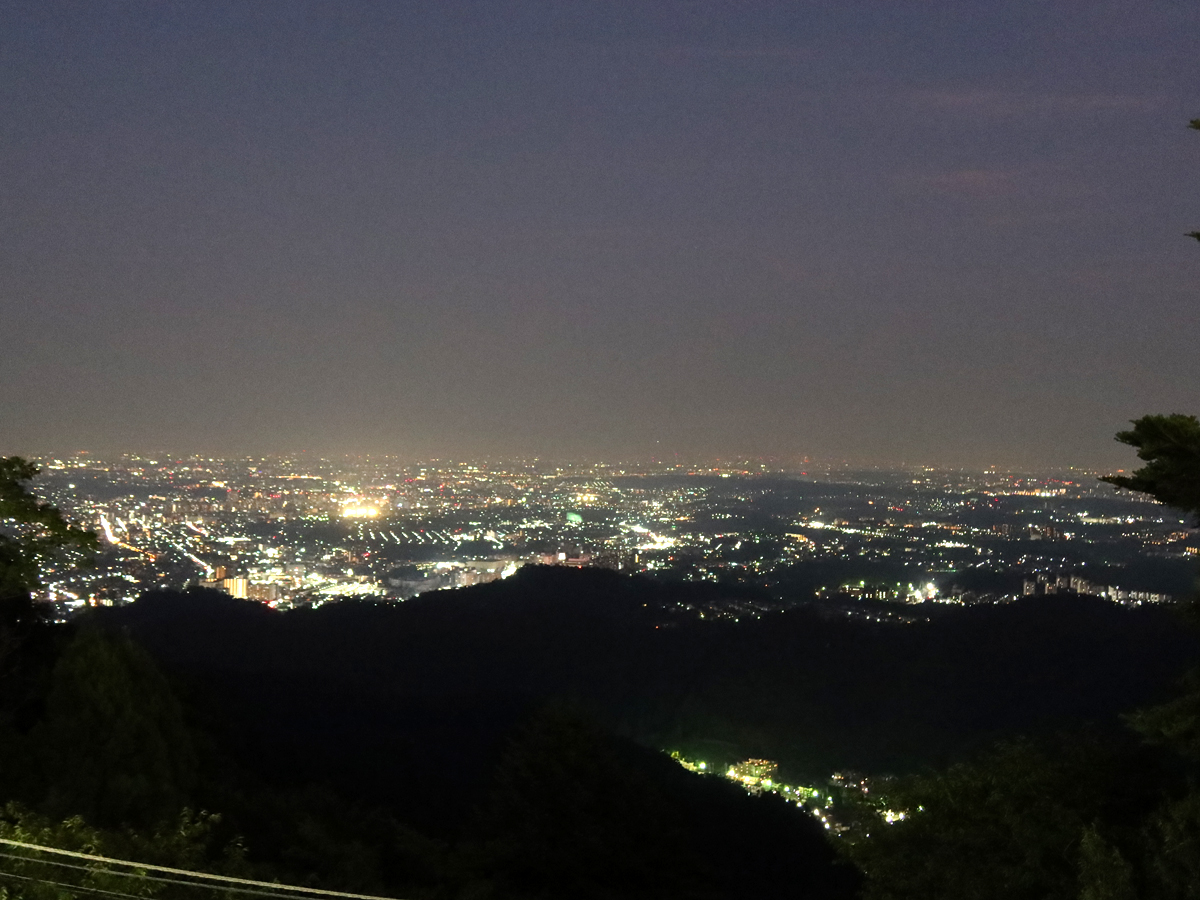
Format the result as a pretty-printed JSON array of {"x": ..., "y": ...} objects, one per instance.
[{"x": 924, "y": 232}]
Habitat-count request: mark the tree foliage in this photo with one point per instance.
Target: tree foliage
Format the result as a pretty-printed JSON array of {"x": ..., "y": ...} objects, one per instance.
[
  {"x": 1172, "y": 838},
  {"x": 38, "y": 530},
  {"x": 1176, "y": 723},
  {"x": 186, "y": 842},
  {"x": 33, "y": 535},
  {"x": 1170, "y": 446},
  {"x": 1007, "y": 825},
  {"x": 113, "y": 745},
  {"x": 1104, "y": 874}
]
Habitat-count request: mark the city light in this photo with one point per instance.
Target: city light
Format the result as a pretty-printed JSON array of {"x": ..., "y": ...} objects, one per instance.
[{"x": 406, "y": 529}]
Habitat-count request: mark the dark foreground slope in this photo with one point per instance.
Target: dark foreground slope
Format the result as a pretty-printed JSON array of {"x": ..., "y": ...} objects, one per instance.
[
  {"x": 503, "y": 740},
  {"x": 814, "y": 692},
  {"x": 563, "y": 809}
]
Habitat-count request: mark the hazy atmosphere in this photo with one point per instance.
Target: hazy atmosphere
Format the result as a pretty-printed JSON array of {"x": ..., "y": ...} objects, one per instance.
[{"x": 930, "y": 233}]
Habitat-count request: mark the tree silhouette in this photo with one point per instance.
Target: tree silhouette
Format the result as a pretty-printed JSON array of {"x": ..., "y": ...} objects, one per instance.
[
  {"x": 33, "y": 533},
  {"x": 1170, "y": 446},
  {"x": 1195, "y": 123},
  {"x": 113, "y": 746}
]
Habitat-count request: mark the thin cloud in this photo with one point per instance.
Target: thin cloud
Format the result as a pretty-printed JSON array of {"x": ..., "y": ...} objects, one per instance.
[
  {"x": 1022, "y": 103},
  {"x": 982, "y": 184},
  {"x": 970, "y": 184},
  {"x": 987, "y": 184},
  {"x": 694, "y": 51}
]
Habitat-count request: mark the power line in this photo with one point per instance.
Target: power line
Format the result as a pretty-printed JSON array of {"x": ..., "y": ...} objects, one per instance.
[
  {"x": 170, "y": 871},
  {"x": 71, "y": 887},
  {"x": 143, "y": 877}
]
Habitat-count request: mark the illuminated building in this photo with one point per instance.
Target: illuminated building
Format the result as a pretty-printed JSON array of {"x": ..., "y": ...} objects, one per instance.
[
  {"x": 236, "y": 587},
  {"x": 753, "y": 771}
]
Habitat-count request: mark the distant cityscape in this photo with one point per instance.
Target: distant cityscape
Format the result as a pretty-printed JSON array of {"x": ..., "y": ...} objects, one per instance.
[{"x": 291, "y": 531}]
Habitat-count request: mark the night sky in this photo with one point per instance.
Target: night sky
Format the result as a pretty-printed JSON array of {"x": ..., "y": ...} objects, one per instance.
[{"x": 943, "y": 233}]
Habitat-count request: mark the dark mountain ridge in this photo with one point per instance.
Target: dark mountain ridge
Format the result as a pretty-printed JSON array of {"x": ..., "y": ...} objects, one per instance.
[{"x": 814, "y": 691}]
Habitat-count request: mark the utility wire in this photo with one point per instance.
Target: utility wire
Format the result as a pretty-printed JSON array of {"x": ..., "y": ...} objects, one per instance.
[
  {"x": 170, "y": 871},
  {"x": 142, "y": 876},
  {"x": 71, "y": 887}
]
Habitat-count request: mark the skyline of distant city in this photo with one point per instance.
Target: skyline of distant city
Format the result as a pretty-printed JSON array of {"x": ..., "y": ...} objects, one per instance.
[
  {"x": 746, "y": 462},
  {"x": 294, "y": 531}
]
